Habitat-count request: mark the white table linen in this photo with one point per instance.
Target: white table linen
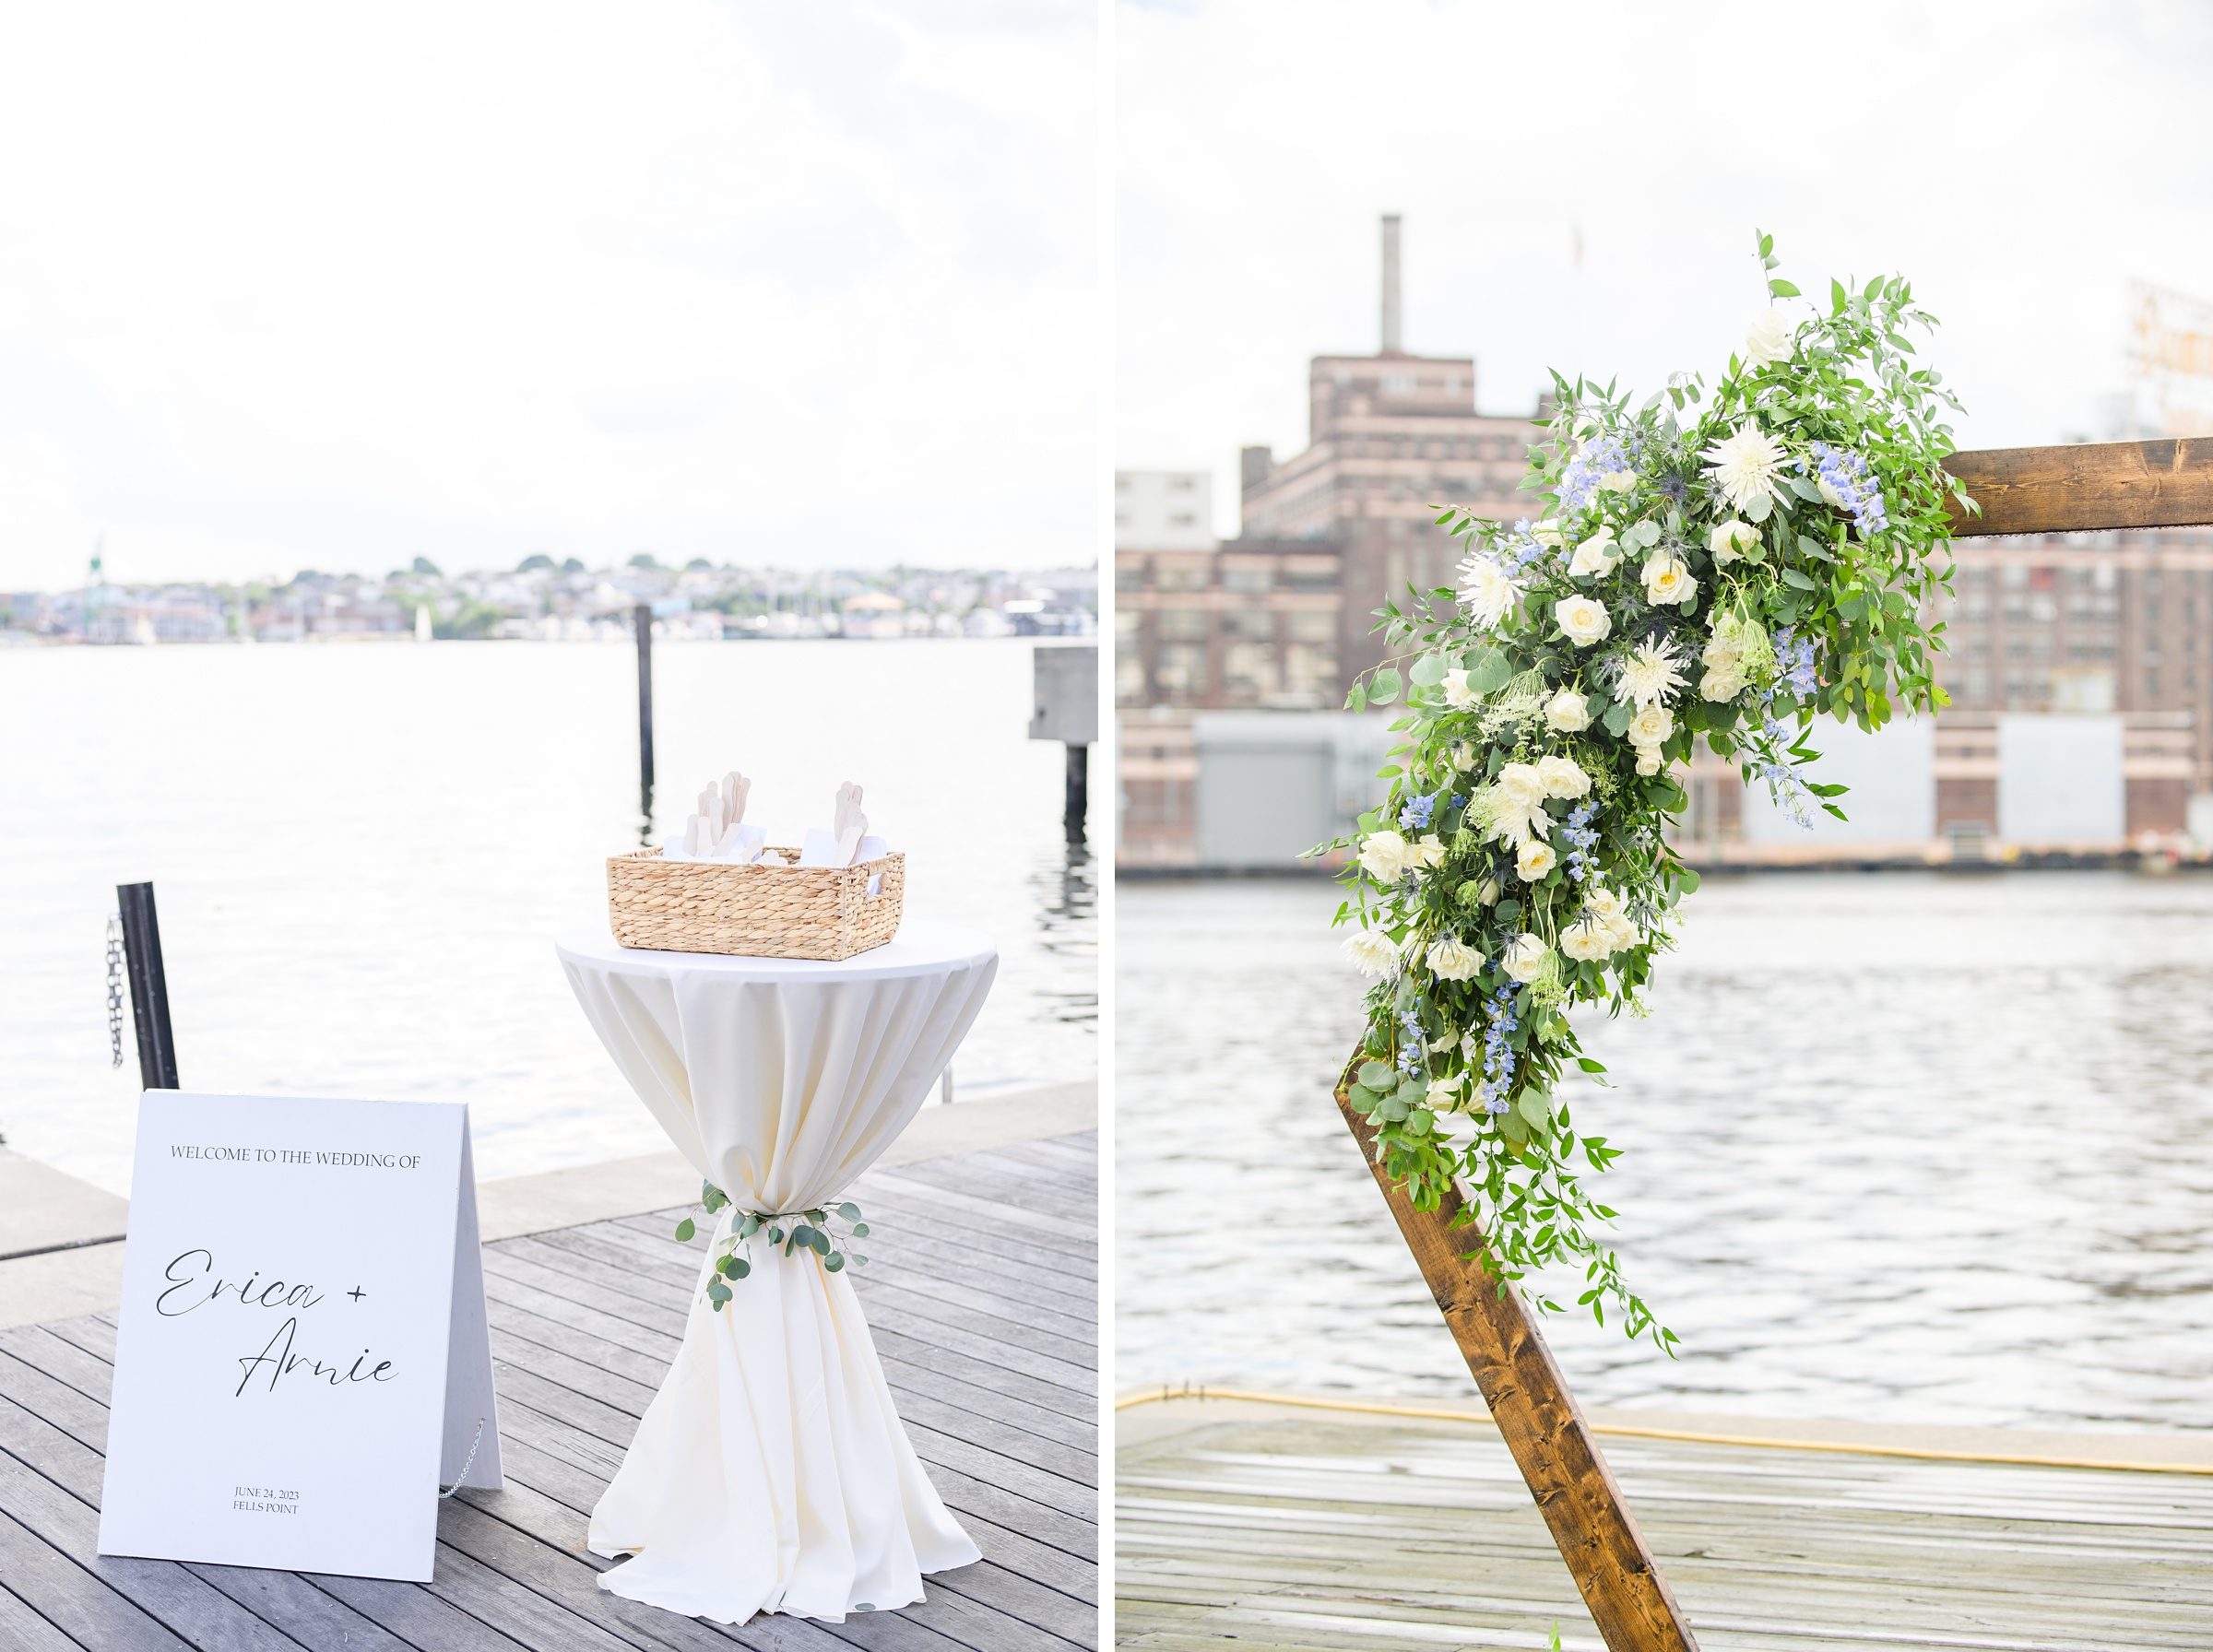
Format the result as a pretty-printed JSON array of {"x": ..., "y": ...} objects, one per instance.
[{"x": 771, "y": 1472}]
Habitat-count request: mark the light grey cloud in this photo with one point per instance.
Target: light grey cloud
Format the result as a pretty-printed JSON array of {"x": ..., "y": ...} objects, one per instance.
[{"x": 2020, "y": 162}]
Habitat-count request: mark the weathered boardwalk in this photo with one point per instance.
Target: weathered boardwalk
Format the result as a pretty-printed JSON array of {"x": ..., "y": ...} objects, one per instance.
[
  {"x": 1318, "y": 1533},
  {"x": 981, "y": 1288}
]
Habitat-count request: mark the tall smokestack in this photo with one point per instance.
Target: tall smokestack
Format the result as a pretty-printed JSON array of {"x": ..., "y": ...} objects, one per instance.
[{"x": 1390, "y": 284}]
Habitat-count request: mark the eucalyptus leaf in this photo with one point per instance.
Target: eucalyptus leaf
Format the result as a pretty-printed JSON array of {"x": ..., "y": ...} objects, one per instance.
[{"x": 1384, "y": 687}]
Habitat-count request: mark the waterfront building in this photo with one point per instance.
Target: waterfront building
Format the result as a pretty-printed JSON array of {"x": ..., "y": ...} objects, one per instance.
[{"x": 1392, "y": 439}]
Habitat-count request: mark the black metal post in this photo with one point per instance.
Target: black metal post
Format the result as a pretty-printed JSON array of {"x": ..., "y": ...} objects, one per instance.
[
  {"x": 1079, "y": 788},
  {"x": 642, "y": 619},
  {"x": 149, "y": 986}
]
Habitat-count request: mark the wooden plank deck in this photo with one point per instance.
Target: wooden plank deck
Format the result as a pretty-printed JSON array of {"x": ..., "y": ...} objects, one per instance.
[
  {"x": 1322, "y": 1532},
  {"x": 982, "y": 1288}
]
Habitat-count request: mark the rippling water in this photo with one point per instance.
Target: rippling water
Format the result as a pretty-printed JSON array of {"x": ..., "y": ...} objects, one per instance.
[
  {"x": 362, "y": 855},
  {"x": 1900, "y": 1147}
]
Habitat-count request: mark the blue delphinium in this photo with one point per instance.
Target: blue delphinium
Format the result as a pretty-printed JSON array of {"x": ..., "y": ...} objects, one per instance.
[
  {"x": 1846, "y": 474},
  {"x": 1601, "y": 459},
  {"x": 1497, "y": 1054},
  {"x": 1520, "y": 547},
  {"x": 1410, "y": 1047},
  {"x": 1794, "y": 662},
  {"x": 1414, "y": 817},
  {"x": 1580, "y": 833}
]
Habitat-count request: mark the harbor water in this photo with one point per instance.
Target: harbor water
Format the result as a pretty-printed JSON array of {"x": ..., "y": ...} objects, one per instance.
[
  {"x": 362, "y": 855},
  {"x": 1898, "y": 1147}
]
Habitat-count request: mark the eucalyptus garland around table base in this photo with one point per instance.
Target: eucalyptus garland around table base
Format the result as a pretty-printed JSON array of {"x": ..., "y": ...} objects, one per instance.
[
  {"x": 798, "y": 1230},
  {"x": 1720, "y": 564}
]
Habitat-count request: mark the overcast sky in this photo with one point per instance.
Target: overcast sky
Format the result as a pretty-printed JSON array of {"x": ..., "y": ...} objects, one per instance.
[
  {"x": 333, "y": 287},
  {"x": 2020, "y": 162}
]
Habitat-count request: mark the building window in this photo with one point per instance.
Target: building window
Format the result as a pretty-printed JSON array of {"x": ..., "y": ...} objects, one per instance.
[
  {"x": 1250, "y": 578},
  {"x": 1978, "y": 686},
  {"x": 1248, "y": 671},
  {"x": 1180, "y": 625},
  {"x": 2151, "y": 682},
  {"x": 1254, "y": 624},
  {"x": 1180, "y": 672},
  {"x": 1310, "y": 626}
]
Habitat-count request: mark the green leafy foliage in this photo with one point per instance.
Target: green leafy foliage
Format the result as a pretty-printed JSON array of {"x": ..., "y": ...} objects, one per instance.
[
  {"x": 1720, "y": 567},
  {"x": 810, "y": 1230}
]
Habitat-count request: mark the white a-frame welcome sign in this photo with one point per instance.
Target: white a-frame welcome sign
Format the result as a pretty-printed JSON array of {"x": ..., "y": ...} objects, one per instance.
[{"x": 301, "y": 1359}]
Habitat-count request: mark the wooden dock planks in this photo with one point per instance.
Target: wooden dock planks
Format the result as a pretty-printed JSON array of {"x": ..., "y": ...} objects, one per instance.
[
  {"x": 982, "y": 1288},
  {"x": 1322, "y": 1533}
]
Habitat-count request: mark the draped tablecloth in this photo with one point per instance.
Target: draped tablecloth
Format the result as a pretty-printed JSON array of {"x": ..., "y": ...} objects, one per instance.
[{"x": 771, "y": 1472}]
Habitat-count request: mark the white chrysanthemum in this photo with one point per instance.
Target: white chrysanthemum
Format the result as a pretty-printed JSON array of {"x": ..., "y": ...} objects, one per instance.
[
  {"x": 1568, "y": 712},
  {"x": 1373, "y": 953},
  {"x": 1771, "y": 339},
  {"x": 1526, "y": 957},
  {"x": 1453, "y": 960},
  {"x": 1651, "y": 675},
  {"x": 1744, "y": 464},
  {"x": 1582, "y": 621},
  {"x": 1384, "y": 855},
  {"x": 1514, "y": 800},
  {"x": 1563, "y": 777},
  {"x": 1533, "y": 859},
  {"x": 1650, "y": 728},
  {"x": 1486, "y": 591}
]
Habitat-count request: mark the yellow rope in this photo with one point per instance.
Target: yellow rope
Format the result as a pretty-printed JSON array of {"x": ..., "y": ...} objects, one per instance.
[{"x": 1697, "y": 1436}]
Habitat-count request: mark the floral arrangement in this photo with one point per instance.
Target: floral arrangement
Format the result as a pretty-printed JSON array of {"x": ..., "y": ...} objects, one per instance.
[
  {"x": 1720, "y": 565},
  {"x": 803, "y": 1229}
]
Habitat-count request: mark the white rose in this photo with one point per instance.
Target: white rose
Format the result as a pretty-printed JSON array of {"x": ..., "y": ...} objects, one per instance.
[
  {"x": 1648, "y": 728},
  {"x": 1619, "y": 481},
  {"x": 1597, "y": 555},
  {"x": 1488, "y": 893},
  {"x": 1444, "y": 1093},
  {"x": 1582, "y": 621},
  {"x": 1520, "y": 788},
  {"x": 1547, "y": 531},
  {"x": 1451, "y": 959},
  {"x": 1667, "y": 580},
  {"x": 1458, "y": 695},
  {"x": 1603, "y": 903},
  {"x": 1464, "y": 755},
  {"x": 1426, "y": 853},
  {"x": 1384, "y": 855},
  {"x": 1563, "y": 777},
  {"x": 1484, "y": 591},
  {"x": 1586, "y": 942},
  {"x": 1769, "y": 338},
  {"x": 1568, "y": 712},
  {"x": 1722, "y": 683},
  {"x": 1620, "y": 931},
  {"x": 1373, "y": 952},
  {"x": 1732, "y": 539},
  {"x": 1648, "y": 759},
  {"x": 1533, "y": 859},
  {"x": 1526, "y": 957}
]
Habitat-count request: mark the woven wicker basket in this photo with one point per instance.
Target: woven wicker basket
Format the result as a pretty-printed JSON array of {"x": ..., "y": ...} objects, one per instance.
[{"x": 753, "y": 911}]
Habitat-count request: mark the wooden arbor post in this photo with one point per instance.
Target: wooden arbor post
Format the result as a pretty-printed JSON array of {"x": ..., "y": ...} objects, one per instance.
[{"x": 2078, "y": 488}]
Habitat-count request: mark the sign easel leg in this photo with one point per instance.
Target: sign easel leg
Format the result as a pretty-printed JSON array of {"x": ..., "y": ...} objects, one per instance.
[{"x": 1540, "y": 1423}]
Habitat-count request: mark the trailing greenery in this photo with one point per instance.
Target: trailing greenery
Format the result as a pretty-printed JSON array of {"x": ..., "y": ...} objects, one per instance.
[
  {"x": 1718, "y": 565},
  {"x": 792, "y": 1231}
]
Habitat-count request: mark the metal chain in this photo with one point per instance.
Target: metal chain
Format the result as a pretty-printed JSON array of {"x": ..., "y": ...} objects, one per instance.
[
  {"x": 467, "y": 1463},
  {"x": 115, "y": 989}
]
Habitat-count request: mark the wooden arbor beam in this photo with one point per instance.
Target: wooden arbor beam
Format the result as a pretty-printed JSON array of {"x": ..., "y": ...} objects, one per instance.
[
  {"x": 2085, "y": 487},
  {"x": 1538, "y": 1419}
]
